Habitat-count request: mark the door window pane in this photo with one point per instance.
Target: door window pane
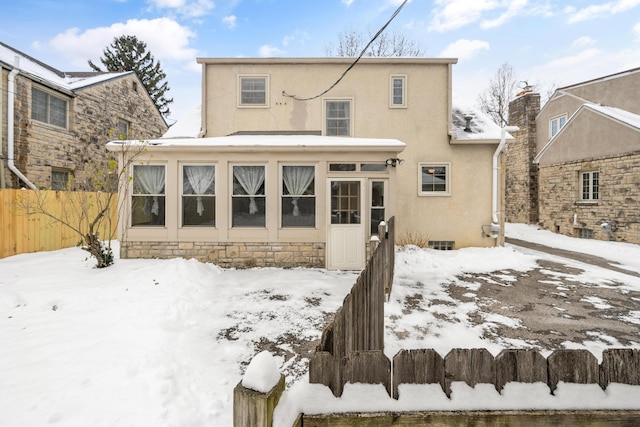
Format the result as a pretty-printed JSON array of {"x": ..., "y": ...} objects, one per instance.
[{"x": 345, "y": 202}]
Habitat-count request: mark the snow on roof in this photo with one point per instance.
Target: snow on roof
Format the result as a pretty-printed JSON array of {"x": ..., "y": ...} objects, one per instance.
[
  {"x": 264, "y": 142},
  {"x": 50, "y": 75},
  {"x": 187, "y": 126},
  {"x": 623, "y": 116},
  {"x": 481, "y": 127}
]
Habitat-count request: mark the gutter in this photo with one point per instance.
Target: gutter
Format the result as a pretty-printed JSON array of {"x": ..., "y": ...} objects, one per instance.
[{"x": 11, "y": 99}]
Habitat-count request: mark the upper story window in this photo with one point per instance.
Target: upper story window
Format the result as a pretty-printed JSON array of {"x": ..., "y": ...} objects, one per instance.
[
  {"x": 48, "y": 108},
  {"x": 122, "y": 129},
  {"x": 298, "y": 196},
  {"x": 337, "y": 114},
  {"x": 434, "y": 179},
  {"x": 398, "y": 91},
  {"x": 199, "y": 195},
  {"x": 589, "y": 186},
  {"x": 556, "y": 124},
  {"x": 253, "y": 91},
  {"x": 148, "y": 197}
]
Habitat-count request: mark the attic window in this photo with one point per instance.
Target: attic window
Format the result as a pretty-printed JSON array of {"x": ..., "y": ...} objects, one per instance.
[{"x": 135, "y": 86}]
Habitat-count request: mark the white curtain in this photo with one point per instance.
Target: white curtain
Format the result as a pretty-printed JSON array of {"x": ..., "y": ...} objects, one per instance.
[
  {"x": 151, "y": 179},
  {"x": 200, "y": 178},
  {"x": 250, "y": 178},
  {"x": 297, "y": 179}
]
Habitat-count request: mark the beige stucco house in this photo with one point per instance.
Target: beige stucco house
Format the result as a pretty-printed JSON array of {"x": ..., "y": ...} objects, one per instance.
[
  {"x": 296, "y": 163},
  {"x": 586, "y": 166},
  {"x": 54, "y": 122}
]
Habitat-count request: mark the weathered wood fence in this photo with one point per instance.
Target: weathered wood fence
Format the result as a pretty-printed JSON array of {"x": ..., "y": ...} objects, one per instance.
[
  {"x": 358, "y": 326},
  {"x": 21, "y": 232}
]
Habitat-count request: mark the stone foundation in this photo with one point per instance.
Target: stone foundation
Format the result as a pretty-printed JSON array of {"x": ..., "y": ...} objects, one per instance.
[{"x": 232, "y": 255}]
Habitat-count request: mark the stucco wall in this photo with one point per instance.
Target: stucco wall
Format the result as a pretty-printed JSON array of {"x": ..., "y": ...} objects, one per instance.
[
  {"x": 93, "y": 114},
  {"x": 423, "y": 126},
  {"x": 619, "y": 198}
]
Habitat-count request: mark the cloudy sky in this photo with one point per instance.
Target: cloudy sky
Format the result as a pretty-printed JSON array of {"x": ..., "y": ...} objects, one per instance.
[{"x": 547, "y": 42}]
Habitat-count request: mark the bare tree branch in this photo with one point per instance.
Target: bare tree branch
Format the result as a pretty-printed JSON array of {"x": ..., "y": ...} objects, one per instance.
[{"x": 494, "y": 100}]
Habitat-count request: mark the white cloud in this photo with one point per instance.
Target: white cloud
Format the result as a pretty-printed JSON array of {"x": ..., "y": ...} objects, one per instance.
[
  {"x": 190, "y": 8},
  {"x": 600, "y": 10},
  {"x": 348, "y": 2},
  {"x": 230, "y": 21},
  {"x": 583, "y": 42},
  {"x": 514, "y": 9},
  {"x": 165, "y": 38},
  {"x": 299, "y": 36},
  {"x": 267, "y": 51},
  {"x": 636, "y": 31},
  {"x": 452, "y": 14},
  {"x": 464, "y": 49}
]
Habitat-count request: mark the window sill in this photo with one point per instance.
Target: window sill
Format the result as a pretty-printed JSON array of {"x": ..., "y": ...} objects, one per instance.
[
  {"x": 443, "y": 194},
  {"x": 587, "y": 203}
]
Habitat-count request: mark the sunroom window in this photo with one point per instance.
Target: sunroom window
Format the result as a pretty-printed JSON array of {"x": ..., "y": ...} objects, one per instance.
[
  {"x": 248, "y": 202},
  {"x": 298, "y": 196},
  {"x": 198, "y": 195},
  {"x": 148, "y": 198}
]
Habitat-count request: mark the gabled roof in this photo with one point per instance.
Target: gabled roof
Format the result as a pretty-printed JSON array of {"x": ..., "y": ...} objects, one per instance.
[
  {"x": 616, "y": 114},
  {"x": 602, "y": 79},
  {"x": 64, "y": 81}
]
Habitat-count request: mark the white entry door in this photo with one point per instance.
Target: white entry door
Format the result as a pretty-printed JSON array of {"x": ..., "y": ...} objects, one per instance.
[{"x": 346, "y": 234}]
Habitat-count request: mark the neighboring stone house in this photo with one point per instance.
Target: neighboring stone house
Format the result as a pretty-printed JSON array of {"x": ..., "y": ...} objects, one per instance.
[
  {"x": 62, "y": 120},
  {"x": 587, "y": 162},
  {"x": 283, "y": 173}
]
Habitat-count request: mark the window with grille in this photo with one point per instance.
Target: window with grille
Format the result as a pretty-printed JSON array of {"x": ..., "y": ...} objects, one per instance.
[
  {"x": 398, "y": 95},
  {"x": 434, "y": 179},
  {"x": 442, "y": 245},
  {"x": 253, "y": 91},
  {"x": 556, "y": 124},
  {"x": 338, "y": 117},
  {"x": 589, "y": 186},
  {"x": 48, "y": 108}
]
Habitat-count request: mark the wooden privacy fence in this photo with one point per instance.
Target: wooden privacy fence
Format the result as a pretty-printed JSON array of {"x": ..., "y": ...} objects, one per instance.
[
  {"x": 358, "y": 326},
  {"x": 475, "y": 366},
  {"x": 22, "y": 232}
]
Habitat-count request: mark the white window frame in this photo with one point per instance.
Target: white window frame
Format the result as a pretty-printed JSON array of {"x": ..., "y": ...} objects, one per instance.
[
  {"x": 133, "y": 194},
  {"x": 325, "y": 118},
  {"x": 265, "y": 104},
  {"x": 214, "y": 196},
  {"x": 50, "y": 95},
  {"x": 233, "y": 196},
  {"x": 560, "y": 120},
  {"x": 590, "y": 193},
  {"x": 384, "y": 207},
  {"x": 311, "y": 196},
  {"x": 447, "y": 167},
  {"x": 392, "y": 79}
]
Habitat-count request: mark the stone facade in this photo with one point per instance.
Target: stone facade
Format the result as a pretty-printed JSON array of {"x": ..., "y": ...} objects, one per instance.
[
  {"x": 93, "y": 115},
  {"x": 521, "y": 174},
  {"x": 236, "y": 254},
  {"x": 619, "y": 198}
]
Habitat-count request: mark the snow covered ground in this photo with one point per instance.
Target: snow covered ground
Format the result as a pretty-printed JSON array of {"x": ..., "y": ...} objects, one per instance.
[{"x": 164, "y": 342}]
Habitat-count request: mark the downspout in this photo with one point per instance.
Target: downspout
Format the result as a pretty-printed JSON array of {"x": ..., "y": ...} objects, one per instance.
[
  {"x": 10, "y": 124},
  {"x": 495, "y": 225},
  {"x": 2, "y": 184}
]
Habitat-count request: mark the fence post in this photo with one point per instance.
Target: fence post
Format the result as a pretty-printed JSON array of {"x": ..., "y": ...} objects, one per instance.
[{"x": 255, "y": 409}]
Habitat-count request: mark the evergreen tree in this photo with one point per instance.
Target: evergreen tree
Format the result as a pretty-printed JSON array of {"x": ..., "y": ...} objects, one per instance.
[{"x": 127, "y": 53}]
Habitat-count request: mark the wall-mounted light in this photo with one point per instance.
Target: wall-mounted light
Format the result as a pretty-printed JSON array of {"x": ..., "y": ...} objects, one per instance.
[{"x": 394, "y": 161}]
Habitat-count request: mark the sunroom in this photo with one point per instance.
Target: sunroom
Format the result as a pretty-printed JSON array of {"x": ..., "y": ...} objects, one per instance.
[{"x": 256, "y": 200}]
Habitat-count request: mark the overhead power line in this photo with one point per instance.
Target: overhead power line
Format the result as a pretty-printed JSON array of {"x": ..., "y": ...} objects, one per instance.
[{"x": 353, "y": 64}]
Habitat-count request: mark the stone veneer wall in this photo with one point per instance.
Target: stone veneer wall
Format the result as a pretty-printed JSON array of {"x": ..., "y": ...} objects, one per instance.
[
  {"x": 238, "y": 255},
  {"x": 521, "y": 175},
  {"x": 619, "y": 198},
  {"x": 93, "y": 115}
]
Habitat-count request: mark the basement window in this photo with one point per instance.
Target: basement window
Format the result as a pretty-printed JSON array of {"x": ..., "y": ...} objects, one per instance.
[
  {"x": 584, "y": 233},
  {"x": 442, "y": 245}
]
